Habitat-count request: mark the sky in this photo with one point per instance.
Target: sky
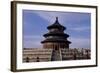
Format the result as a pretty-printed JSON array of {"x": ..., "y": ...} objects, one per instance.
[{"x": 35, "y": 25}]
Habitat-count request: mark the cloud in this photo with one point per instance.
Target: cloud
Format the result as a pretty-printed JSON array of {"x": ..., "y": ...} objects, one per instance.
[
  {"x": 31, "y": 41},
  {"x": 32, "y": 37},
  {"x": 64, "y": 17},
  {"x": 50, "y": 16},
  {"x": 80, "y": 43},
  {"x": 32, "y": 44},
  {"x": 80, "y": 28}
]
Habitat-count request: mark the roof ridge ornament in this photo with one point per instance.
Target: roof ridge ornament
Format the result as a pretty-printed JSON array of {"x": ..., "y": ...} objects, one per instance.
[{"x": 56, "y": 20}]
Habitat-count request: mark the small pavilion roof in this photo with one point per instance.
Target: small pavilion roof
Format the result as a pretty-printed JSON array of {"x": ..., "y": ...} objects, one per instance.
[{"x": 56, "y": 24}]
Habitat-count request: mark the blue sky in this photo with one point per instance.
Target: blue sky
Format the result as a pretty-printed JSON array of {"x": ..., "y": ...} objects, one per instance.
[{"x": 35, "y": 25}]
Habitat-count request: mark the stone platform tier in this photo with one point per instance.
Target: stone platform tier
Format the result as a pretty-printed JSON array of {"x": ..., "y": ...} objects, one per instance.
[{"x": 45, "y": 55}]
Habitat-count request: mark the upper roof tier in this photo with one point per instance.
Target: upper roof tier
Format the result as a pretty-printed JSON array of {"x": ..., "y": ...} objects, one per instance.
[
  {"x": 56, "y": 25},
  {"x": 56, "y": 34},
  {"x": 56, "y": 40}
]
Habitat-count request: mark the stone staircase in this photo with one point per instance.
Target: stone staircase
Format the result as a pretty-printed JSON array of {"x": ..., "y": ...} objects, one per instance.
[{"x": 56, "y": 55}]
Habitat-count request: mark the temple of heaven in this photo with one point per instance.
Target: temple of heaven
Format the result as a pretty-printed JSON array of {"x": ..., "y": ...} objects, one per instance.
[{"x": 56, "y": 38}]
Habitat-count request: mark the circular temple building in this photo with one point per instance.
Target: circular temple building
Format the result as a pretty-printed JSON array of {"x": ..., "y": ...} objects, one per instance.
[{"x": 56, "y": 38}]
